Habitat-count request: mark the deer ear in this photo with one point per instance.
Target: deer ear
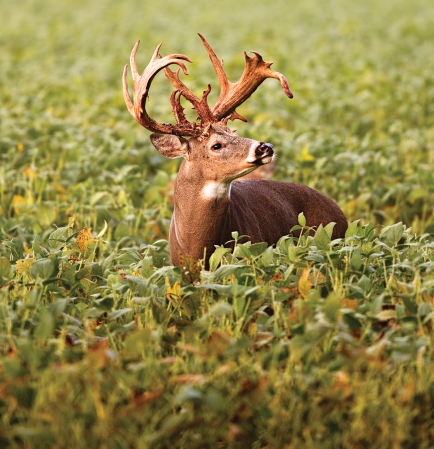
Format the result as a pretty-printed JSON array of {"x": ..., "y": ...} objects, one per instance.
[{"x": 170, "y": 145}]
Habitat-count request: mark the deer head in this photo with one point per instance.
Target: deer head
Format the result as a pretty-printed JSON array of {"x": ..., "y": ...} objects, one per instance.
[
  {"x": 218, "y": 154},
  {"x": 213, "y": 162}
]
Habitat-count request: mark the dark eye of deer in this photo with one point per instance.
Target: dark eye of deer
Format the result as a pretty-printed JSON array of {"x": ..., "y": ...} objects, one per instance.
[{"x": 217, "y": 146}]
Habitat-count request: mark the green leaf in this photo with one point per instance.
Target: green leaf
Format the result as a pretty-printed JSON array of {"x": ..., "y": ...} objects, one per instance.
[
  {"x": 46, "y": 215},
  {"x": 57, "y": 239},
  {"x": 424, "y": 309},
  {"x": 394, "y": 234},
  {"x": 108, "y": 262},
  {"x": 329, "y": 229},
  {"x": 105, "y": 303},
  {"x": 118, "y": 313},
  {"x": 38, "y": 251},
  {"x": 15, "y": 249},
  {"x": 220, "y": 309},
  {"x": 84, "y": 273},
  {"x": 300, "y": 345},
  {"x": 239, "y": 304},
  {"x": 157, "y": 258},
  {"x": 68, "y": 275},
  {"x": 365, "y": 283},
  {"x": 57, "y": 307},
  {"x": 42, "y": 268},
  {"x": 267, "y": 256},
  {"x": 409, "y": 303},
  {"x": 6, "y": 271},
  {"x": 352, "y": 322},
  {"x": 331, "y": 307},
  {"x": 242, "y": 250},
  {"x": 44, "y": 329},
  {"x": 146, "y": 270},
  {"x": 301, "y": 219},
  {"x": 352, "y": 229},
  {"x": 356, "y": 259},
  {"x": 258, "y": 248},
  {"x": 161, "y": 179},
  {"x": 217, "y": 257},
  {"x": 322, "y": 239},
  {"x": 377, "y": 305},
  {"x": 226, "y": 270}
]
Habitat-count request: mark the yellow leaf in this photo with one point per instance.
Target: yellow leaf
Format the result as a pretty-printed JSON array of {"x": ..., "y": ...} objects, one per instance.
[
  {"x": 304, "y": 285},
  {"x": 59, "y": 188},
  {"x": 305, "y": 155},
  {"x": 71, "y": 221},
  {"x": 188, "y": 379},
  {"x": 83, "y": 240},
  {"x": 349, "y": 303},
  {"x": 173, "y": 294},
  {"x": 147, "y": 397},
  {"x": 23, "y": 265},
  {"x": 18, "y": 199},
  {"x": 29, "y": 172},
  {"x": 97, "y": 355},
  {"x": 103, "y": 231}
]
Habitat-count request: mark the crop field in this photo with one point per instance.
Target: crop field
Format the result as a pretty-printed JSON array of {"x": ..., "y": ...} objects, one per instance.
[{"x": 311, "y": 343}]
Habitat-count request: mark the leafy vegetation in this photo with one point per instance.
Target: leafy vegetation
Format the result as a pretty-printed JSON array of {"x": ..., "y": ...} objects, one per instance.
[{"x": 311, "y": 343}]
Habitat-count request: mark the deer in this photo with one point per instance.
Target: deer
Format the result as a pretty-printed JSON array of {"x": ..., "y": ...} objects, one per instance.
[{"x": 209, "y": 203}]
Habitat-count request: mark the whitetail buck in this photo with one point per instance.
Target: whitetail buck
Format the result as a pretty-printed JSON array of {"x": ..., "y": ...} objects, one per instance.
[{"x": 209, "y": 203}]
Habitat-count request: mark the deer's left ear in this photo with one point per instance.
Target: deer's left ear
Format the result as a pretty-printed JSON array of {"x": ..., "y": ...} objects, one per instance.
[{"x": 170, "y": 146}]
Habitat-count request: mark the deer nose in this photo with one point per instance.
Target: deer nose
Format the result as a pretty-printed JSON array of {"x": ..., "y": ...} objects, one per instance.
[{"x": 264, "y": 149}]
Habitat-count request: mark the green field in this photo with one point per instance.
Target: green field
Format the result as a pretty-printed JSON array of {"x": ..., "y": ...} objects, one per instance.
[{"x": 310, "y": 344}]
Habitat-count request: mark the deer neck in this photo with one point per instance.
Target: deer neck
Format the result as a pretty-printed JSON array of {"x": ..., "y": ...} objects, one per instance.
[{"x": 200, "y": 216}]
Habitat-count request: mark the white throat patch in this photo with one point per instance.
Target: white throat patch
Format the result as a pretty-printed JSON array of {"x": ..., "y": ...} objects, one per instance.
[{"x": 215, "y": 190}]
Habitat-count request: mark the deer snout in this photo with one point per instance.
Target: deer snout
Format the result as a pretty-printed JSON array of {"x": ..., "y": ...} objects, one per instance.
[{"x": 264, "y": 149}]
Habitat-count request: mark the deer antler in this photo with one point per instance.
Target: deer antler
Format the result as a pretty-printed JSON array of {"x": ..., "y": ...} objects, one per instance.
[
  {"x": 234, "y": 94},
  {"x": 141, "y": 88},
  {"x": 231, "y": 96},
  {"x": 202, "y": 109}
]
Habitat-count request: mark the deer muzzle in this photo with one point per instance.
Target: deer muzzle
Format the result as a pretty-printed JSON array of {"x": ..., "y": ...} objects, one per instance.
[{"x": 263, "y": 152}]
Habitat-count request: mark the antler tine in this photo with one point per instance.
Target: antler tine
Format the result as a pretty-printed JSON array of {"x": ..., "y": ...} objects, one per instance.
[
  {"x": 135, "y": 73},
  {"x": 218, "y": 67},
  {"x": 127, "y": 97},
  {"x": 155, "y": 55},
  {"x": 201, "y": 106},
  {"x": 233, "y": 95},
  {"x": 255, "y": 72},
  {"x": 141, "y": 88},
  {"x": 178, "y": 110}
]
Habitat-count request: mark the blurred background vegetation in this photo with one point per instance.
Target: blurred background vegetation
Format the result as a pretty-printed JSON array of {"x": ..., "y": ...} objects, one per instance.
[
  {"x": 360, "y": 128},
  {"x": 104, "y": 344}
]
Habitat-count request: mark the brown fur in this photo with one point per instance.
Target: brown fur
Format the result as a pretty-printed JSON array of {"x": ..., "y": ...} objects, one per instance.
[{"x": 263, "y": 210}]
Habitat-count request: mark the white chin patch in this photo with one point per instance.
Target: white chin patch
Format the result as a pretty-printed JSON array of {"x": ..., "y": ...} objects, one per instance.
[
  {"x": 215, "y": 190},
  {"x": 267, "y": 160}
]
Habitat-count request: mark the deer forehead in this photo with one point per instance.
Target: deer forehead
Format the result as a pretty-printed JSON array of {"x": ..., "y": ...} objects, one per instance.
[{"x": 230, "y": 140}]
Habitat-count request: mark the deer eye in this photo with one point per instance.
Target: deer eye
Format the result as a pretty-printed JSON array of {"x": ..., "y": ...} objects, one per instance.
[{"x": 217, "y": 146}]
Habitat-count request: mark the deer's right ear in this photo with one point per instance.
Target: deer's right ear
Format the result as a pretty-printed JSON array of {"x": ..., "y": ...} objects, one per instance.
[{"x": 170, "y": 145}]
